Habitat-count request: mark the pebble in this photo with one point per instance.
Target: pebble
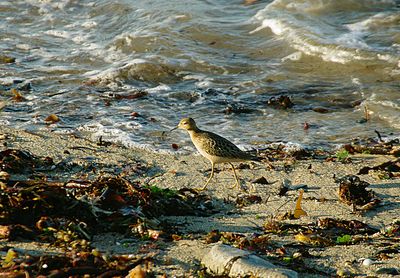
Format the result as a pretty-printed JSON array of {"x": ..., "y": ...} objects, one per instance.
[
  {"x": 343, "y": 272},
  {"x": 297, "y": 255},
  {"x": 367, "y": 262},
  {"x": 4, "y": 176},
  {"x": 233, "y": 262},
  {"x": 388, "y": 270}
]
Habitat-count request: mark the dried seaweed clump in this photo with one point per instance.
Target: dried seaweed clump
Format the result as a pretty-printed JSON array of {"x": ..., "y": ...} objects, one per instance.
[{"x": 353, "y": 192}]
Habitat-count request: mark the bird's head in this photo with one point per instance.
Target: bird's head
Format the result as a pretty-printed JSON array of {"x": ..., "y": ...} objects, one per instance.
[{"x": 187, "y": 124}]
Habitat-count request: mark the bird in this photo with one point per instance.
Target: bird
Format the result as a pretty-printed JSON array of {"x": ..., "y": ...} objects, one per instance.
[{"x": 215, "y": 148}]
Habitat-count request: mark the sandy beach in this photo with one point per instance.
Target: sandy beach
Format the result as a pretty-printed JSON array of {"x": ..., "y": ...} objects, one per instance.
[
  {"x": 181, "y": 258},
  {"x": 93, "y": 185}
]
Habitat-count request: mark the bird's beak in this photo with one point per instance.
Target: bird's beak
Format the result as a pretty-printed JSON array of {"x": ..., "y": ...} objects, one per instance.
[{"x": 174, "y": 128}]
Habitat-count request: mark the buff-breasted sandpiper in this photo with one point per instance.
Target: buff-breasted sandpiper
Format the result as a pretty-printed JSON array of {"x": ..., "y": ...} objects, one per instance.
[{"x": 215, "y": 148}]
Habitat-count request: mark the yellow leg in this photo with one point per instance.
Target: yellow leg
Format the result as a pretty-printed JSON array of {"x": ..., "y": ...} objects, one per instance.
[
  {"x": 209, "y": 179},
  {"x": 237, "y": 184}
]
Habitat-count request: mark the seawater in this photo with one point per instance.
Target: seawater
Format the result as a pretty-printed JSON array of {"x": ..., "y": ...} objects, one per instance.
[{"x": 203, "y": 59}]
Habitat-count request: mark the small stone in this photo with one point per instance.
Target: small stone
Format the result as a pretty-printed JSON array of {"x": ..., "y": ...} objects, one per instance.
[
  {"x": 260, "y": 180},
  {"x": 4, "y": 231},
  {"x": 388, "y": 270},
  {"x": 282, "y": 102},
  {"x": 367, "y": 262},
  {"x": 233, "y": 262},
  {"x": 4, "y": 176},
  {"x": 321, "y": 110},
  {"x": 175, "y": 146},
  {"x": 137, "y": 272},
  {"x": 6, "y": 59},
  {"x": 297, "y": 255},
  {"x": 52, "y": 118},
  {"x": 343, "y": 273}
]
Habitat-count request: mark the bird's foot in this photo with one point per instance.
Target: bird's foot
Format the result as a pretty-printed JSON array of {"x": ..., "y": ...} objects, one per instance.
[
  {"x": 234, "y": 186},
  {"x": 202, "y": 188}
]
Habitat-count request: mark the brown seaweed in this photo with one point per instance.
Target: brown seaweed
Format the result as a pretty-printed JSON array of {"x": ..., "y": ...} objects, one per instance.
[{"x": 352, "y": 191}]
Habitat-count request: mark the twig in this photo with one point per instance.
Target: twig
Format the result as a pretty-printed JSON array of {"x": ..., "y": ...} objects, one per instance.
[
  {"x": 379, "y": 135},
  {"x": 366, "y": 113},
  {"x": 283, "y": 204},
  {"x": 81, "y": 148}
]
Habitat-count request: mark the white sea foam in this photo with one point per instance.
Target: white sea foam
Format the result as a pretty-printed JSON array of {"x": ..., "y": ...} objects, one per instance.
[
  {"x": 206, "y": 83},
  {"x": 50, "y": 68},
  {"x": 356, "y": 81},
  {"x": 301, "y": 42},
  {"x": 23, "y": 46},
  {"x": 194, "y": 77},
  {"x": 375, "y": 22},
  {"x": 7, "y": 81},
  {"x": 318, "y": 38},
  {"x": 89, "y": 24},
  {"x": 112, "y": 76},
  {"x": 79, "y": 40},
  {"x": 389, "y": 58},
  {"x": 109, "y": 133},
  {"x": 159, "y": 88},
  {"x": 59, "y": 33},
  {"x": 352, "y": 40},
  {"x": 202, "y": 80},
  {"x": 125, "y": 138},
  {"x": 296, "y": 56},
  {"x": 291, "y": 147}
]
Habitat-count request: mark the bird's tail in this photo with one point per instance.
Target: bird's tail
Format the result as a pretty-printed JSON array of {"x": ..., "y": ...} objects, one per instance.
[
  {"x": 256, "y": 158},
  {"x": 253, "y": 156}
]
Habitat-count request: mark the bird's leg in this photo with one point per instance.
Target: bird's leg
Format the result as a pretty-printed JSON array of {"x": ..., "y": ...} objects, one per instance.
[
  {"x": 209, "y": 179},
  {"x": 236, "y": 178}
]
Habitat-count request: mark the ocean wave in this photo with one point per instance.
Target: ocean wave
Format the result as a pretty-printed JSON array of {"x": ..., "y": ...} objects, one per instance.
[
  {"x": 85, "y": 61},
  {"x": 323, "y": 7},
  {"x": 321, "y": 36},
  {"x": 136, "y": 70},
  {"x": 385, "y": 106}
]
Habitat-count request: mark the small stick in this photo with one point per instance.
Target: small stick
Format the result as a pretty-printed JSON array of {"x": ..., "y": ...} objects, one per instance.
[
  {"x": 379, "y": 135},
  {"x": 366, "y": 113}
]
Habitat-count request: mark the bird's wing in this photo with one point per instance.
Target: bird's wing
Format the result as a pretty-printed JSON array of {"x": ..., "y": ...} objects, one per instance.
[{"x": 221, "y": 146}]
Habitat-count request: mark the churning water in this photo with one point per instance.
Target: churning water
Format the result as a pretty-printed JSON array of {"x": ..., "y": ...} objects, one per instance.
[{"x": 127, "y": 70}]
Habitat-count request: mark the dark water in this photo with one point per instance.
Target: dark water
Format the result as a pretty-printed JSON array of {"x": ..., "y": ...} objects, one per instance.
[{"x": 219, "y": 62}]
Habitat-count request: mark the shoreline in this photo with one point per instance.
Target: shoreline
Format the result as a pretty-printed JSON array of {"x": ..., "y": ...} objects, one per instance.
[{"x": 232, "y": 215}]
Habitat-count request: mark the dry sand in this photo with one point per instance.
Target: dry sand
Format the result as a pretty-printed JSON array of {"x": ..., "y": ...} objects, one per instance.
[{"x": 181, "y": 258}]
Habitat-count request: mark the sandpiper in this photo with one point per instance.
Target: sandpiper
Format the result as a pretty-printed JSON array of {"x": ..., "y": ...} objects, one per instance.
[{"x": 215, "y": 148}]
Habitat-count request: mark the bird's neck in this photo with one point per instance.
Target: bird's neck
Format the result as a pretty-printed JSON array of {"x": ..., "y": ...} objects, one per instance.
[{"x": 193, "y": 132}]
